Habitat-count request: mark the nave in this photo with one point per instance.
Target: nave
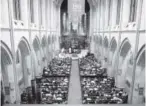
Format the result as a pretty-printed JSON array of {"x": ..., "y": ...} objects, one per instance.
[
  {"x": 60, "y": 84},
  {"x": 74, "y": 81},
  {"x": 75, "y": 88},
  {"x": 84, "y": 52}
]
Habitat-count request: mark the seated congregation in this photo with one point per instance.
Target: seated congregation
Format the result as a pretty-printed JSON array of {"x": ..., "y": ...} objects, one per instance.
[
  {"x": 97, "y": 87},
  {"x": 52, "y": 87}
]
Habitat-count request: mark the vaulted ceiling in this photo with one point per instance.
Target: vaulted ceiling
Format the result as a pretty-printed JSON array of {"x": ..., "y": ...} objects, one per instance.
[
  {"x": 91, "y": 2},
  {"x": 58, "y": 2},
  {"x": 63, "y": 4}
]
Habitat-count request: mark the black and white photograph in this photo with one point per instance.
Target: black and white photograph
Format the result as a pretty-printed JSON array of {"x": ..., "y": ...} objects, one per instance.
[{"x": 72, "y": 52}]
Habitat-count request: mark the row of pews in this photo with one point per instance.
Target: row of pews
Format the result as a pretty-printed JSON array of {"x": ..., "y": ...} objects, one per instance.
[
  {"x": 97, "y": 87},
  {"x": 52, "y": 87}
]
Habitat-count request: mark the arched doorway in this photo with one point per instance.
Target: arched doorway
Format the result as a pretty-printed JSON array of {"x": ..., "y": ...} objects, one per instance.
[
  {"x": 7, "y": 73},
  {"x": 139, "y": 85},
  {"x": 113, "y": 47},
  {"x": 37, "y": 57},
  {"x": 44, "y": 50},
  {"x": 23, "y": 65},
  {"x": 124, "y": 56}
]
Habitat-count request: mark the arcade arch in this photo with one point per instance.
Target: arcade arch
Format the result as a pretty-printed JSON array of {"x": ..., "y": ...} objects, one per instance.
[
  {"x": 37, "y": 57},
  {"x": 49, "y": 47},
  {"x": 23, "y": 64},
  {"x": 125, "y": 54},
  {"x": 44, "y": 50},
  {"x": 112, "y": 55},
  {"x": 96, "y": 45},
  {"x": 8, "y": 83},
  {"x": 105, "y": 47},
  {"x": 100, "y": 40},
  {"x": 139, "y": 77},
  {"x": 100, "y": 47},
  {"x": 113, "y": 47}
]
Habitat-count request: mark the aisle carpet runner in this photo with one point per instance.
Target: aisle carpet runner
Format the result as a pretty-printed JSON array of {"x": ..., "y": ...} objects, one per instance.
[{"x": 74, "y": 86}]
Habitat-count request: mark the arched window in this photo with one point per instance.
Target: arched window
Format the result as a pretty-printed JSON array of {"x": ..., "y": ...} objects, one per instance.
[{"x": 17, "y": 9}]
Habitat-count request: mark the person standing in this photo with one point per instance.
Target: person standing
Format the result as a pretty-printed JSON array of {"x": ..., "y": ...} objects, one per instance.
[
  {"x": 2, "y": 98},
  {"x": 2, "y": 95}
]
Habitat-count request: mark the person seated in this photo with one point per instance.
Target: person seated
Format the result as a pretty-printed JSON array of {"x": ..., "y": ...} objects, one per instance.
[
  {"x": 101, "y": 88},
  {"x": 24, "y": 99},
  {"x": 60, "y": 67},
  {"x": 56, "y": 88}
]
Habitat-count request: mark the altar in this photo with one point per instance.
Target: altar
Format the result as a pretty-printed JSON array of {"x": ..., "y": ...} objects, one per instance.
[
  {"x": 82, "y": 54},
  {"x": 74, "y": 43}
]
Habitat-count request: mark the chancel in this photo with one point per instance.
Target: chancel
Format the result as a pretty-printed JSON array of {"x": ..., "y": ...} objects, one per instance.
[{"x": 72, "y": 52}]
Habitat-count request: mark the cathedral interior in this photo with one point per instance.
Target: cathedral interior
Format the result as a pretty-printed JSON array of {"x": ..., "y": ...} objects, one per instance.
[{"x": 72, "y": 52}]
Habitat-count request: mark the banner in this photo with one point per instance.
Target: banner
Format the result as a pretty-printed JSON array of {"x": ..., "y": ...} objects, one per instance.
[{"x": 75, "y": 9}]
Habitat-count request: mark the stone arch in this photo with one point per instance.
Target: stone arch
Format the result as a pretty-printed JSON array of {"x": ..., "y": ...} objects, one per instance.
[
  {"x": 112, "y": 56},
  {"x": 113, "y": 45},
  {"x": 8, "y": 51},
  {"x": 139, "y": 77},
  {"x": 125, "y": 54},
  {"x": 23, "y": 54},
  {"x": 105, "y": 49},
  {"x": 49, "y": 46},
  {"x": 24, "y": 43},
  {"x": 105, "y": 42},
  {"x": 36, "y": 44},
  {"x": 99, "y": 47},
  {"x": 125, "y": 47},
  {"x": 52, "y": 39},
  {"x": 7, "y": 73},
  {"x": 96, "y": 44},
  {"x": 49, "y": 39},
  {"x": 44, "y": 50},
  {"x": 96, "y": 39},
  {"x": 37, "y": 56},
  {"x": 142, "y": 49},
  {"x": 140, "y": 58},
  {"x": 100, "y": 39},
  {"x": 44, "y": 42}
]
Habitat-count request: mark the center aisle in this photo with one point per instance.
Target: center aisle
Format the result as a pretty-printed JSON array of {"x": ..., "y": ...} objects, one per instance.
[{"x": 74, "y": 96}]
